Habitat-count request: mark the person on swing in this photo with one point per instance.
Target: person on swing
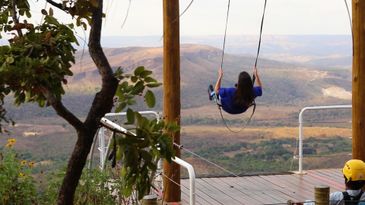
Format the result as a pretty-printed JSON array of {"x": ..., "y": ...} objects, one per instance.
[{"x": 236, "y": 100}]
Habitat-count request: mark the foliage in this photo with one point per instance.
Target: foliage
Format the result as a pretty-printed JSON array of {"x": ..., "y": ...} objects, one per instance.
[
  {"x": 95, "y": 187},
  {"x": 274, "y": 155},
  {"x": 16, "y": 184},
  {"x": 7, "y": 10},
  {"x": 37, "y": 59},
  {"x": 150, "y": 140},
  {"x": 135, "y": 84}
]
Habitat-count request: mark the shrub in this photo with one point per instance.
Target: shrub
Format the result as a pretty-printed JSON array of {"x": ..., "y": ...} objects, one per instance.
[{"x": 16, "y": 183}]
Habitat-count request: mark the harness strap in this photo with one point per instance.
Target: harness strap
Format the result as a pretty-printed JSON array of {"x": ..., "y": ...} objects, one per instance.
[{"x": 351, "y": 200}]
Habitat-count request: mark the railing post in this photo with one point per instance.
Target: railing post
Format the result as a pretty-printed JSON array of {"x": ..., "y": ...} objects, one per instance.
[
  {"x": 300, "y": 137},
  {"x": 300, "y": 144},
  {"x": 191, "y": 178}
]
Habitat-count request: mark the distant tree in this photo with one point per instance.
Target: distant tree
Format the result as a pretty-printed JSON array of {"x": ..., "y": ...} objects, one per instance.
[{"x": 34, "y": 66}]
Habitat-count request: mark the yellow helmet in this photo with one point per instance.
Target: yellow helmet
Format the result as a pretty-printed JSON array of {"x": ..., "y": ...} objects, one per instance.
[{"x": 354, "y": 170}]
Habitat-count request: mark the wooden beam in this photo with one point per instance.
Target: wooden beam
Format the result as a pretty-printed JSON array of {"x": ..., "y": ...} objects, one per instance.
[
  {"x": 358, "y": 80},
  {"x": 171, "y": 91}
]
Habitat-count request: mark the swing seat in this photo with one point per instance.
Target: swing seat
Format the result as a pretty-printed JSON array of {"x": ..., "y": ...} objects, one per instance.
[{"x": 211, "y": 92}]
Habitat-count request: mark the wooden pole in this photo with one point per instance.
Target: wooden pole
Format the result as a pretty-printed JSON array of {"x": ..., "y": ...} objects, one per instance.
[
  {"x": 358, "y": 80},
  {"x": 321, "y": 195},
  {"x": 171, "y": 91}
]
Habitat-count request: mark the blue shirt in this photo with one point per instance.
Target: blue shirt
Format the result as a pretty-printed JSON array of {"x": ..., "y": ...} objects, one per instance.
[{"x": 227, "y": 95}]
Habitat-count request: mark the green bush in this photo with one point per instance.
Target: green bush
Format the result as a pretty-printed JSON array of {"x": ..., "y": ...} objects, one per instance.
[
  {"x": 18, "y": 187},
  {"x": 16, "y": 184},
  {"x": 95, "y": 188}
]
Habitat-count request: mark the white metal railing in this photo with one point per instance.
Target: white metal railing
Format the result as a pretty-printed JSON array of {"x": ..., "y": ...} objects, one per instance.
[
  {"x": 103, "y": 150},
  {"x": 100, "y": 135},
  {"x": 140, "y": 112},
  {"x": 109, "y": 123},
  {"x": 300, "y": 144},
  {"x": 191, "y": 172}
]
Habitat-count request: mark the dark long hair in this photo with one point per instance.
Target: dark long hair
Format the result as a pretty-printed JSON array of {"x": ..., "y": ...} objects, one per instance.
[{"x": 244, "y": 95}]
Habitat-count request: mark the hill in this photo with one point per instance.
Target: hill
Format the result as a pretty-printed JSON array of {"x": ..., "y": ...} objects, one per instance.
[
  {"x": 284, "y": 83},
  {"x": 299, "y": 49}
]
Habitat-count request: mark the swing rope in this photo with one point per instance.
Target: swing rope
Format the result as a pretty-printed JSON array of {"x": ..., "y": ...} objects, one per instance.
[
  {"x": 350, "y": 21},
  {"x": 226, "y": 123},
  {"x": 225, "y": 33},
  {"x": 253, "y": 76},
  {"x": 259, "y": 44}
]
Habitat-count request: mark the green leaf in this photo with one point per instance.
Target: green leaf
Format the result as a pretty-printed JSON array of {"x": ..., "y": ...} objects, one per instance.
[
  {"x": 28, "y": 14},
  {"x": 9, "y": 60},
  {"x": 52, "y": 20},
  {"x": 120, "y": 107},
  {"x": 145, "y": 73},
  {"x": 172, "y": 127},
  {"x": 131, "y": 102},
  {"x": 123, "y": 171},
  {"x": 130, "y": 116},
  {"x": 138, "y": 88},
  {"x": 50, "y": 11},
  {"x": 118, "y": 154},
  {"x": 119, "y": 73},
  {"x": 41, "y": 103},
  {"x": 127, "y": 191},
  {"x": 150, "y": 80},
  {"x": 150, "y": 99},
  {"x": 134, "y": 79},
  {"x": 153, "y": 85},
  {"x": 139, "y": 70},
  {"x": 44, "y": 12}
]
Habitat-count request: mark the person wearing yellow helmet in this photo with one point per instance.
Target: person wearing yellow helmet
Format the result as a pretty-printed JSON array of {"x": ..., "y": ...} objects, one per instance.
[{"x": 354, "y": 174}]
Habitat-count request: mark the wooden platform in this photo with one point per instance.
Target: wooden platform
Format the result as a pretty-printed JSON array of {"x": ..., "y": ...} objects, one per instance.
[{"x": 262, "y": 189}]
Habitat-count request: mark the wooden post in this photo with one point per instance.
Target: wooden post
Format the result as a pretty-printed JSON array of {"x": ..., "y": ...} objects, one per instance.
[
  {"x": 149, "y": 200},
  {"x": 322, "y": 195},
  {"x": 171, "y": 91},
  {"x": 358, "y": 80}
]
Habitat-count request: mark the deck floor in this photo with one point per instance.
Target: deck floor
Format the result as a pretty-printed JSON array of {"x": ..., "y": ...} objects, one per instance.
[{"x": 262, "y": 189}]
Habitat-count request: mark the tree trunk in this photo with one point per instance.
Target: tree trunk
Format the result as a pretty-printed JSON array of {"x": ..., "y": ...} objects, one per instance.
[
  {"x": 74, "y": 168},
  {"x": 103, "y": 103}
]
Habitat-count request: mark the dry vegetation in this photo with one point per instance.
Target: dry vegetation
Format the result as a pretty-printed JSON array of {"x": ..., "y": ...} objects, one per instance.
[{"x": 264, "y": 132}]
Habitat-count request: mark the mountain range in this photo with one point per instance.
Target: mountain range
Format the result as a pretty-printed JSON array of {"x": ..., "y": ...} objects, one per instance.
[{"x": 286, "y": 83}]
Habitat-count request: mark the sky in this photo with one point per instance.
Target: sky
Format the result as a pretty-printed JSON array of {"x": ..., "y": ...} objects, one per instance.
[{"x": 207, "y": 17}]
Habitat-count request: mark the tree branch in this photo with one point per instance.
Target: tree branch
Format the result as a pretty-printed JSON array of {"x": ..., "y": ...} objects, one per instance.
[
  {"x": 15, "y": 17},
  {"x": 103, "y": 101},
  {"x": 58, "y": 5},
  {"x": 62, "y": 110}
]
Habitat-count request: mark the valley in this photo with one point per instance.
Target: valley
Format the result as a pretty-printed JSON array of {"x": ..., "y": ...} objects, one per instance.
[{"x": 267, "y": 144}]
